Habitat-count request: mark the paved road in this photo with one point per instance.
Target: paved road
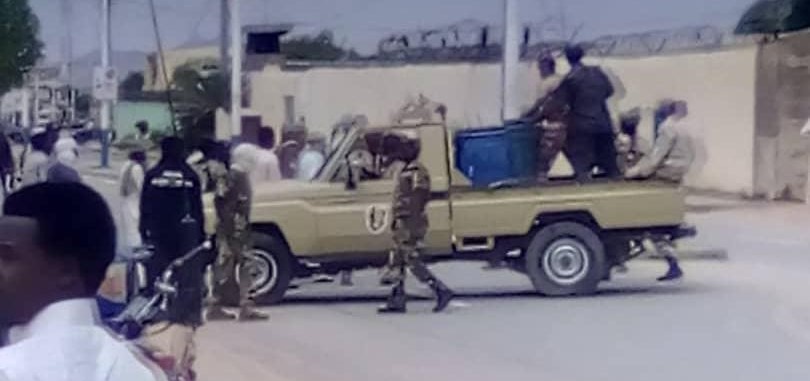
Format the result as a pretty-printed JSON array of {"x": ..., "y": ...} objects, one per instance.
[{"x": 745, "y": 319}]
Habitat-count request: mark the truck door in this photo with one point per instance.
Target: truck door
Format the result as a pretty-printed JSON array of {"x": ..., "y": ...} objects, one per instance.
[
  {"x": 356, "y": 221},
  {"x": 359, "y": 220}
]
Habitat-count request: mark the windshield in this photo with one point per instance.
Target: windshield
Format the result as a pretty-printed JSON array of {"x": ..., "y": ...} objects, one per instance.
[{"x": 337, "y": 142}]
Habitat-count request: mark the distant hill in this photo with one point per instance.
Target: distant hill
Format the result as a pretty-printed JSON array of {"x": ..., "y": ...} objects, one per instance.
[{"x": 125, "y": 61}]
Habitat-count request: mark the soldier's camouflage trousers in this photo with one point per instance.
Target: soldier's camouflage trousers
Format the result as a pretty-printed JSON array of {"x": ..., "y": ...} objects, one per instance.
[
  {"x": 232, "y": 255},
  {"x": 405, "y": 256}
]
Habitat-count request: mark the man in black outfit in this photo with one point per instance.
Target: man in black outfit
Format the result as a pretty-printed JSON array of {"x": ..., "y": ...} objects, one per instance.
[
  {"x": 172, "y": 221},
  {"x": 590, "y": 140}
]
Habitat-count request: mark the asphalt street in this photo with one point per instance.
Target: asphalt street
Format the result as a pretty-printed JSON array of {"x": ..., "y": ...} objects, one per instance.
[{"x": 747, "y": 318}]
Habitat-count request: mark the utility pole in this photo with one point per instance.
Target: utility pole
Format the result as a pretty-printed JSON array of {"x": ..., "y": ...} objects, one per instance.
[
  {"x": 511, "y": 61},
  {"x": 67, "y": 57},
  {"x": 224, "y": 36},
  {"x": 36, "y": 97},
  {"x": 106, "y": 105},
  {"x": 236, "y": 71}
]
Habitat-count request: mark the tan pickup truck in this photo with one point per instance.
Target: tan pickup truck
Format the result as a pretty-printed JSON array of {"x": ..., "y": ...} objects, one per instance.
[{"x": 566, "y": 237}]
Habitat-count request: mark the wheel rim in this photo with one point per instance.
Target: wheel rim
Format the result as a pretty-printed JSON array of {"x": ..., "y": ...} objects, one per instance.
[
  {"x": 566, "y": 261},
  {"x": 263, "y": 271}
]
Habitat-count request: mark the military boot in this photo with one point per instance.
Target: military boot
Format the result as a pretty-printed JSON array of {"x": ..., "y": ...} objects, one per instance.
[
  {"x": 674, "y": 271},
  {"x": 443, "y": 296},
  {"x": 248, "y": 313},
  {"x": 396, "y": 303}
]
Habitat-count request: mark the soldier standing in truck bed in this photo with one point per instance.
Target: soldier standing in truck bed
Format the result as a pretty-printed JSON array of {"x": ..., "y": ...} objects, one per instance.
[{"x": 410, "y": 224}]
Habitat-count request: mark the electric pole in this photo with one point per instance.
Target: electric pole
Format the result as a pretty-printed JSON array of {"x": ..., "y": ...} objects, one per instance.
[
  {"x": 67, "y": 57},
  {"x": 236, "y": 71},
  {"x": 106, "y": 105},
  {"x": 224, "y": 36},
  {"x": 511, "y": 60}
]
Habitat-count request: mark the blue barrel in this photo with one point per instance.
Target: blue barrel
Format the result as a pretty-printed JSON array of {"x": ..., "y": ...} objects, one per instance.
[
  {"x": 482, "y": 155},
  {"x": 522, "y": 151},
  {"x": 491, "y": 155}
]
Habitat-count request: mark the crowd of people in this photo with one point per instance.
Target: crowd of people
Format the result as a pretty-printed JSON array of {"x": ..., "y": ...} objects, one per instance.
[{"x": 50, "y": 271}]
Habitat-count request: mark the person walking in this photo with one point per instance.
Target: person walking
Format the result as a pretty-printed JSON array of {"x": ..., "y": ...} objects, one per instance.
[
  {"x": 58, "y": 240},
  {"x": 130, "y": 189},
  {"x": 232, "y": 200},
  {"x": 410, "y": 224},
  {"x": 172, "y": 222},
  {"x": 268, "y": 169},
  {"x": 35, "y": 163},
  {"x": 66, "y": 142},
  {"x": 590, "y": 140},
  {"x": 7, "y": 165}
]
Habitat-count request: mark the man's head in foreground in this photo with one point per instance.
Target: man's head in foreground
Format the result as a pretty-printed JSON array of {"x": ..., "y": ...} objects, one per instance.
[{"x": 56, "y": 242}]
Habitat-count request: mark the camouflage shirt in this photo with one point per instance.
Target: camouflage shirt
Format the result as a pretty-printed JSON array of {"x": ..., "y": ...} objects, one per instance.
[
  {"x": 411, "y": 196},
  {"x": 232, "y": 198}
]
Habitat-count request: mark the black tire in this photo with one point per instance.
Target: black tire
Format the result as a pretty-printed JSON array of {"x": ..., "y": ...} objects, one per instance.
[
  {"x": 269, "y": 251},
  {"x": 565, "y": 258}
]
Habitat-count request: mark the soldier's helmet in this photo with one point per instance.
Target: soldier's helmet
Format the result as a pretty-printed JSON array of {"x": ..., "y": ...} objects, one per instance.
[{"x": 403, "y": 144}]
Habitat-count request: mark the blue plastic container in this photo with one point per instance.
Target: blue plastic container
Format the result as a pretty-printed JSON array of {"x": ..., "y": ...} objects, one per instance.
[
  {"x": 522, "y": 151},
  {"x": 497, "y": 154}
]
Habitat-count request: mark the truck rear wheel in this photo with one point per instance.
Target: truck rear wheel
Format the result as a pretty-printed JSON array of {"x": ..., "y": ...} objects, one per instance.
[
  {"x": 565, "y": 258},
  {"x": 272, "y": 268}
]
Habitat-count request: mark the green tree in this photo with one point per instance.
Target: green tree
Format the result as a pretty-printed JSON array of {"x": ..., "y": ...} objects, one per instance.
[
  {"x": 20, "y": 47},
  {"x": 132, "y": 85},
  {"x": 320, "y": 47},
  {"x": 197, "y": 94}
]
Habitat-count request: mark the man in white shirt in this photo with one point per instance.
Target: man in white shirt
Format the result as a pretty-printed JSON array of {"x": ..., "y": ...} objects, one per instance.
[
  {"x": 35, "y": 163},
  {"x": 312, "y": 158},
  {"x": 50, "y": 271},
  {"x": 66, "y": 143},
  {"x": 267, "y": 168}
]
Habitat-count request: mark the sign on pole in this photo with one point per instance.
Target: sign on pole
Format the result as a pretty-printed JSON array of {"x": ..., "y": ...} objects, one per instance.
[{"x": 105, "y": 83}]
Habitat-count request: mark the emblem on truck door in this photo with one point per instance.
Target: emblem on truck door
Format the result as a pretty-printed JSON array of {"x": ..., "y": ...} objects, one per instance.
[{"x": 378, "y": 218}]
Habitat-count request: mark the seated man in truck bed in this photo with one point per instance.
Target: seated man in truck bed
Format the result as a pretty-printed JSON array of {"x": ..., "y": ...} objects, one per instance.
[
  {"x": 669, "y": 160},
  {"x": 672, "y": 153}
]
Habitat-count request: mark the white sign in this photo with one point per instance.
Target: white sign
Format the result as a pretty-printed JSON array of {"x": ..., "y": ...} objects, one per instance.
[
  {"x": 105, "y": 83},
  {"x": 378, "y": 218}
]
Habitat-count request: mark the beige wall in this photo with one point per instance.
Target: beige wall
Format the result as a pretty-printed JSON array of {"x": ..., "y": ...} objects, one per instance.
[{"x": 719, "y": 86}]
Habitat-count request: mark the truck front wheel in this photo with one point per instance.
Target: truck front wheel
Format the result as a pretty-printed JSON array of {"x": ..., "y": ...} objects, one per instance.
[
  {"x": 272, "y": 268},
  {"x": 565, "y": 258}
]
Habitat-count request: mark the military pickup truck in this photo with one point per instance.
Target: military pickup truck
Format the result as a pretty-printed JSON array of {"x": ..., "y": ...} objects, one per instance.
[{"x": 565, "y": 236}]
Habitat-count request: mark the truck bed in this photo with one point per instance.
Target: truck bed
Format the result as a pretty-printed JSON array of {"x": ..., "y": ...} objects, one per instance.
[{"x": 612, "y": 205}]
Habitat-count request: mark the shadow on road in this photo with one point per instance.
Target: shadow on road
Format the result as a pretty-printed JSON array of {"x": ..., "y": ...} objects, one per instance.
[{"x": 462, "y": 295}]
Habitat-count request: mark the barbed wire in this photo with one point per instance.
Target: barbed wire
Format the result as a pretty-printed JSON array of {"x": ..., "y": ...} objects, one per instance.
[{"x": 478, "y": 41}]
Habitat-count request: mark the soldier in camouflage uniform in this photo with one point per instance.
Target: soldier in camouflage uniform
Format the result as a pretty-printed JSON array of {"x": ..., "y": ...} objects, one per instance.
[
  {"x": 410, "y": 224},
  {"x": 232, "y": 198}
]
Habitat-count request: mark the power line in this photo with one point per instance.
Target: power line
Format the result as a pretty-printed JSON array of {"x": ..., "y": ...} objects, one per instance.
[{"x": 163, "y": 65}]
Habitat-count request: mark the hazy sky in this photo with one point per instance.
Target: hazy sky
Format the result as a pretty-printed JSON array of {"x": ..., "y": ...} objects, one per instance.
[{"x": 361, "y": 23}]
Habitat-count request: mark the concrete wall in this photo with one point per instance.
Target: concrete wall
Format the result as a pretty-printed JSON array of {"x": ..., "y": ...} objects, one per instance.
[
  {"x": 720, "y": 87},
  {"x": 783, "y": 109}
]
